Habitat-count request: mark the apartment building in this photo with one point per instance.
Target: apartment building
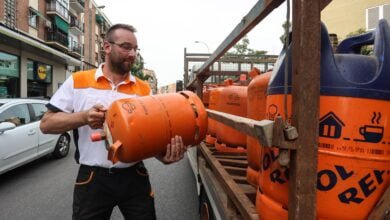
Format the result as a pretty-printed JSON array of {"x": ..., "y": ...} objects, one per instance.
[
  {"x": 345, "y": 16},
  {"x": 152, "y": 80},
  {"x": 43, "y": 41}
]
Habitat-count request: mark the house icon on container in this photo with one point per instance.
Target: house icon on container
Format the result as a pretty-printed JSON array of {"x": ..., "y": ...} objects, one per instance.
[{"x": 330, "y": 126}]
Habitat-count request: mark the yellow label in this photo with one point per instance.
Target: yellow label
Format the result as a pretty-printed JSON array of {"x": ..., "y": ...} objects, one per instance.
[{"x": 42, "y": 72}]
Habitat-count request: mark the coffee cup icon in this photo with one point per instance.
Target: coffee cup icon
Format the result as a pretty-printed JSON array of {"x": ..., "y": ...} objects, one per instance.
[{"x": 371, "y": 133}]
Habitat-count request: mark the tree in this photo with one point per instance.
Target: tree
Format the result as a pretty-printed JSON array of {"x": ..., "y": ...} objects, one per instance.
[
  {"x": 242, "y": 48},
  {"x": 365, "y": 50},
  {"x": 137, "y": 68},
  {"x": 285, "y": 25}
]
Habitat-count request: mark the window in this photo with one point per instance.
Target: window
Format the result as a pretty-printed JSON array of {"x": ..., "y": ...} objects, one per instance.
[
  {"x": 19, "y": 115},
  {"x": 9, "y": 75},
  {"x": 40, "y": 72},
  {"x": 373, "y": 15},
  {"x": 10, "y": 13},
  {"x": 32, "y": 19},
  {"x": 39, "y": 110}
]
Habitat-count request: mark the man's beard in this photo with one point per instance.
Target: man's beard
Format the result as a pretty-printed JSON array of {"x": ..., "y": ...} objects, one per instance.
[{"x": 121, "y": 67}]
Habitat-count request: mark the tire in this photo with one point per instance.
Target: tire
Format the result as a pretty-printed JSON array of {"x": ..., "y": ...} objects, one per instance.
[
  {"x": 205, "y": 210},
  {"x": 62, "y": 146}
]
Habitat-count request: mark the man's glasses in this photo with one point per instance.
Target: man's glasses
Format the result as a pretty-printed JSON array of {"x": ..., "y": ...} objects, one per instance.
[{"x": 125, "y": 46}]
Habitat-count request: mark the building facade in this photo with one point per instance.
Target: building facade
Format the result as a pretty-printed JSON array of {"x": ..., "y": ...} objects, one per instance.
[
  {"x": 152, "y": 80},
  {"x": 343, "y": 17},
  {"x": 170, "y": 88},
  {"x": 42, "y": 42}
]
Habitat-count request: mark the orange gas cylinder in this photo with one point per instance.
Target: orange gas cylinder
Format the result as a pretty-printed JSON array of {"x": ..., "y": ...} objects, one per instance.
[
  {"x": 206, "y": 94},
  {"x": 257, "y": 100},
  {"x": 354, "y": 132},
  {"x": 142, "y": 127},
  {"x": 233, "y": 100},
  {"x": 214, "y": 96}
]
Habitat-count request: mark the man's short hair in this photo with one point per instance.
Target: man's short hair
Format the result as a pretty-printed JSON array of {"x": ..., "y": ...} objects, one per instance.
[{"x": 112, "y": 29}]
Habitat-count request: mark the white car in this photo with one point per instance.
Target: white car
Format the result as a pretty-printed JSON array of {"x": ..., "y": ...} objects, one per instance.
[{"x": 21, "y": 140}]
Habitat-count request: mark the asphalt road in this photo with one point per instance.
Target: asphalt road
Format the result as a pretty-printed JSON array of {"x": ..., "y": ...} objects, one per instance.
[{"x": 44, "y": 189}]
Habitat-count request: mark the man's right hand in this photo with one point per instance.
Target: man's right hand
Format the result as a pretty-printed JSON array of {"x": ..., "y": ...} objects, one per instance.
[{"x": 95, "y": 116}]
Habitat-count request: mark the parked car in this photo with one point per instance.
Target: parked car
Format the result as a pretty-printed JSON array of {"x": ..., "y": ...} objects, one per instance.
[{"x": 21, "y": 140}]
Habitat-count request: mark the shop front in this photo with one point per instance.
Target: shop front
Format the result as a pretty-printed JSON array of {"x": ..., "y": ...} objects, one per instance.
[
  {"x": 30, "y": 68},
  {"x": 39, "y": 78},
  {"x": 9, "y": 75}
]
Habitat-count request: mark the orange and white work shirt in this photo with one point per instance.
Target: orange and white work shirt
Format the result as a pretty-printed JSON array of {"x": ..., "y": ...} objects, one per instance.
[{"x": 85, "y": 89}]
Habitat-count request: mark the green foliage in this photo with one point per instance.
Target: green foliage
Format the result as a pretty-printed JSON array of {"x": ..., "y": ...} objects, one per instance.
[
  {"x": 357, "y": 32},
  {"x": 242, "y": 48},
  {"x": 137, "y": 68},
  {"x": 365, "y": 50},
  {"x": 285, "y": 25}
]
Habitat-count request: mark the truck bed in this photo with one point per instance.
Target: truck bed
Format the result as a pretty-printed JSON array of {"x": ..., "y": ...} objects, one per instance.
[{"x": 224, "y": 178}]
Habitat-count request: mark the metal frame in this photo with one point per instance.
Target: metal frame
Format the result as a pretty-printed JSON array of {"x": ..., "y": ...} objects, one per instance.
[{"x": 306, "y": 58}]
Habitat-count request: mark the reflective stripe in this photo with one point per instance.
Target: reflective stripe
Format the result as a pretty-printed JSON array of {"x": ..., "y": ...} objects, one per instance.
[{"x": 87, "y": 181}]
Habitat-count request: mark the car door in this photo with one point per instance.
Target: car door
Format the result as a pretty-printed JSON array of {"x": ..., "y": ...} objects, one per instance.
[
  {"x": 46, "y": 142},
  {"x": 19, "y": 145}
]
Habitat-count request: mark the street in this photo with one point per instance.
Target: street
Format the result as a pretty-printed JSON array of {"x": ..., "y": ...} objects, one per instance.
[{"x": 44, "y": 190}]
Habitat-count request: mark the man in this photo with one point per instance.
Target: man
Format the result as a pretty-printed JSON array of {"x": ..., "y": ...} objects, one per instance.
[{"x": 80, "y": 105}]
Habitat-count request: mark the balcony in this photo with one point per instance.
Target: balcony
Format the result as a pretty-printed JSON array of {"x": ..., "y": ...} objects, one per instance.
[
  {"x": 75, "y": 26},
  {"x": 57, "y": 40},
  {"x": 77, "y": 5},
  {"x": 55, "y": 8},
  {"x": 75, "y": 51}
]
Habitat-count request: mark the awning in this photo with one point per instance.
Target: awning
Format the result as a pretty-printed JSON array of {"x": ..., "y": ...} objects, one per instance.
[
  {"x": 34, "y": 43},
  {"x": 61, "y": 24},
  {"x": 99, "y": 19},
  {"x": 38, "y": 13}
]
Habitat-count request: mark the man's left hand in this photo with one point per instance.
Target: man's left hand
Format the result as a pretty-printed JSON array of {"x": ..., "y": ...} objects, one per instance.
[{"x": 175, "y": 151}]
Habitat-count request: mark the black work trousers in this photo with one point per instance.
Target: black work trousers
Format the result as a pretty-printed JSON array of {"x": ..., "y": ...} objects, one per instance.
[{"x": 98, "y": 190}]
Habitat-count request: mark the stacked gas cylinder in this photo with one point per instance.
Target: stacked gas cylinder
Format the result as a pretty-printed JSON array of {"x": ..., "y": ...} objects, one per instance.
[{"x": 354, "y": 137}]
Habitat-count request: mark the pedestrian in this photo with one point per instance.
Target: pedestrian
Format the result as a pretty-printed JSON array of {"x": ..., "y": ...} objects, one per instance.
[{"x": 80, "y": 105}]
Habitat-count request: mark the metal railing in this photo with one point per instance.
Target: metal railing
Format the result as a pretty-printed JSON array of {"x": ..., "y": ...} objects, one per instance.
[
  {"x": 76, "y": 49},
  {"x": 57, "y": 7},
  {"x": 58, "y": 37},
  {"x": 75, "y": 23}
]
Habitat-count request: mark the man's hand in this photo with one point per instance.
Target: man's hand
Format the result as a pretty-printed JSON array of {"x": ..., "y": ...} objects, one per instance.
[
  {"x": 95, "y": 116},
  {"x": 175, "y": 151}
]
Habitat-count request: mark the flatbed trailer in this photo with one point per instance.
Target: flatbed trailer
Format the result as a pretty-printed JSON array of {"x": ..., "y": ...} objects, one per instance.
[{"x": 224, "y": 192}]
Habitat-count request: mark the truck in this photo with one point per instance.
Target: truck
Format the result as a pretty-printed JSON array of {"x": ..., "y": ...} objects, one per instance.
[{"x": 223, "y": 189}]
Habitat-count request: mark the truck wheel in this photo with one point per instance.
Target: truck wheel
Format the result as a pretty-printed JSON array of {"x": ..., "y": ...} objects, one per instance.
[{"x": 205, "y": 210}]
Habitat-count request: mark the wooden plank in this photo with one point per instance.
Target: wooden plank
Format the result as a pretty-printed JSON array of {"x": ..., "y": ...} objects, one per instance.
[
  {"x": 240, "y": 179},
  {"x": 219, "y": 197},
  {"x": 261, "y": 130},
  {"x": 306, "y": 90},
  {"x": 247, "y": 189},
  {"x": 235, "y": 170},
  {"x": 234, "y": 163},
  {"x": 255, "y": 15},
  {"x": 240, "y": 200},
  {"x": 233, "y": 154},
  {"x": 382, "y": 208},
  {"x": 233, "y": 157}
]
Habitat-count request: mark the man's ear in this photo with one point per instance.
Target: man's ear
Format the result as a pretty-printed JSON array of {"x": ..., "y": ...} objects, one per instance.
[{"x": 107, "y": 47}]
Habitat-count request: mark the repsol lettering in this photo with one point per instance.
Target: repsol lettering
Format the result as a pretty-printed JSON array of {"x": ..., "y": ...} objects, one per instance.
[{"x": 328, "y": 179}]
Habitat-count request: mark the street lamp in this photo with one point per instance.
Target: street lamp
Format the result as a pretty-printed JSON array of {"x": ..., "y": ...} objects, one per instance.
[{"x": 201, "y": 42}]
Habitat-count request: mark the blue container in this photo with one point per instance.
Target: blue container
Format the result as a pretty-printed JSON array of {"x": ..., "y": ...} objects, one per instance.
[{"x": 347, "y": 73}]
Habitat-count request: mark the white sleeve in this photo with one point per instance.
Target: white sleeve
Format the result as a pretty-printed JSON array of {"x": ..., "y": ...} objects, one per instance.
[{"x": 63, "y": 98}]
